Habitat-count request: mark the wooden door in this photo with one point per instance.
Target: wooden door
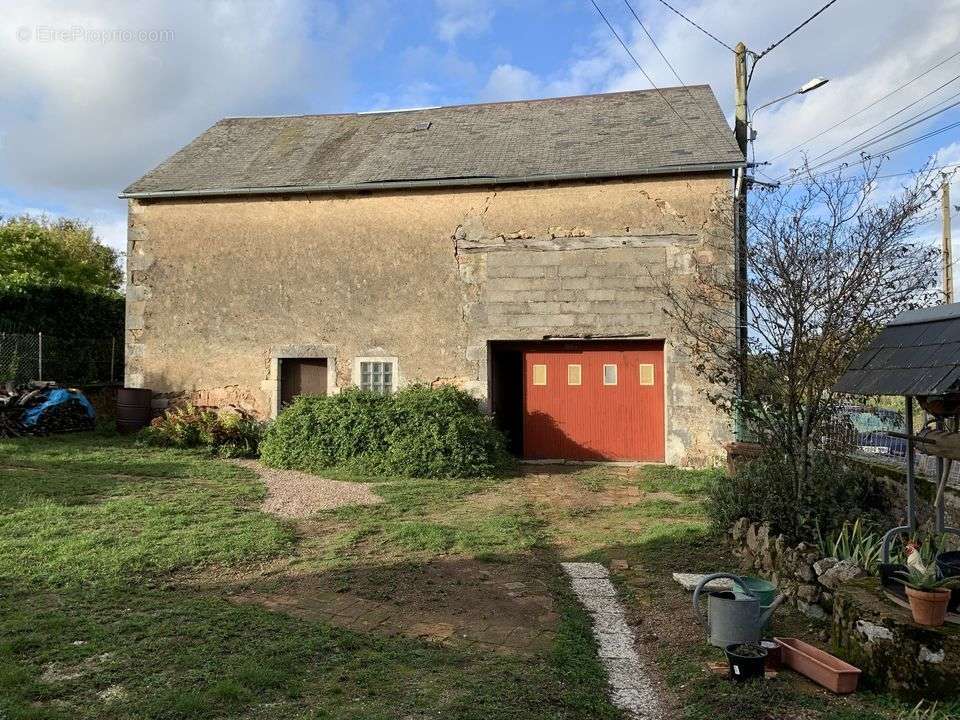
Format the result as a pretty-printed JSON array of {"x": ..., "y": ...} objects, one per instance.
[{"x": 302, "y": 376}]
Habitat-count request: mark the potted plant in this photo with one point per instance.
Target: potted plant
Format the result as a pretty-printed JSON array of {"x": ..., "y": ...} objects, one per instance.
[
  {"x": 747, "y": 661},
  {"x": 928, "y": 595}
]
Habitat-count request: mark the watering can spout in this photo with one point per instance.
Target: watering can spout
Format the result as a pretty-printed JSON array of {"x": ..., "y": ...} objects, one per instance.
[{"x": 765, "y": 615}]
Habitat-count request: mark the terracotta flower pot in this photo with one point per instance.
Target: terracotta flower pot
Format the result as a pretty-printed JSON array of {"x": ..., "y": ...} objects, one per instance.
[
  {"x": 929, "y": 607},
  {"x": 821, "y": 667}
]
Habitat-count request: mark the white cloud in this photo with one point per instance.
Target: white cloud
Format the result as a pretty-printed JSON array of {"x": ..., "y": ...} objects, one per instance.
[
  {"x": 509, "y": 82},
  {"x": 866, "y": 51},
  {"x": 86, "y": 112},
  {"x": 462, "y": 17}
]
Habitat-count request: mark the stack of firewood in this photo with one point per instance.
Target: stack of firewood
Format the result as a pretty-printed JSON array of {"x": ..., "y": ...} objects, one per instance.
[{"x": 70, "y": 413}]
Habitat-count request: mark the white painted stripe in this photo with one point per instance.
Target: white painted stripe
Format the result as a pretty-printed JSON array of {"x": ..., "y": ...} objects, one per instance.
[{"x": 631, "y": 688}]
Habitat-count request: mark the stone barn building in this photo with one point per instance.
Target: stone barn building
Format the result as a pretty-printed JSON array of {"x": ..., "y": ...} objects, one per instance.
[{"x": 507, "y": 248}]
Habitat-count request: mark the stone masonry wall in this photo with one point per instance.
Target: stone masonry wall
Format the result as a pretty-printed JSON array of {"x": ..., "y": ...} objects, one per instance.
[
  {"x": 800, "y": 572},
  {"x": 218, "y": 289}
]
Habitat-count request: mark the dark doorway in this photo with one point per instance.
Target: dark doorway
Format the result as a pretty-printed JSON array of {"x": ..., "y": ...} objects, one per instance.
[
  {"x": 506, "y": 392},
  {"x": 302, "y": 376}
]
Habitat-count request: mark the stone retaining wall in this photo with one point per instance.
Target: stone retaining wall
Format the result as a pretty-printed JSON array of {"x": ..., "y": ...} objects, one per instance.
[
  {"x": 894, "y": 653},
  {"x": 799, "y": 571}
]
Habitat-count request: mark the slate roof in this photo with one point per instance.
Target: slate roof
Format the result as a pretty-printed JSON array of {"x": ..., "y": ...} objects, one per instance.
[
  {"x": 916, "y": 354},
  {"x": 591, "y": 136}
]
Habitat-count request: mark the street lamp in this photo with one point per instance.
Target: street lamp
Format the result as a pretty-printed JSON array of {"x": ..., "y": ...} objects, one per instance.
[{"x": 808, "y": 86}]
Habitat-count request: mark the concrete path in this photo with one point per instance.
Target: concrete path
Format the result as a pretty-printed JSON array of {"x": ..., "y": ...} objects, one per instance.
[{"x": 631, "y": 688}]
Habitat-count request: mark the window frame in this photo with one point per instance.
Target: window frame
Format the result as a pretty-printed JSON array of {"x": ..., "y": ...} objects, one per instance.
[
  {"x": 394, "y": 373},
  {"x": 616, "y": 375}
]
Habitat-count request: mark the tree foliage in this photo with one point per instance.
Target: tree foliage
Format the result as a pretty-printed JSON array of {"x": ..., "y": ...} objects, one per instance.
[
  {"x": 830, "y": 260},
  {"x": 44, "y": 252}
]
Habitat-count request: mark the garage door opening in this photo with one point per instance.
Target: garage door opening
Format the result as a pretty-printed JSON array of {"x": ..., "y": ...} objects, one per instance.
[
  {"x": 302, "y": 376},
  {"x": 588, "y": 400}
]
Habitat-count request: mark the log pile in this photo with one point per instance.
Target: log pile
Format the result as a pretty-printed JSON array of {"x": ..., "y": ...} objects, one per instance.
[{"x": 39, "y": 409}]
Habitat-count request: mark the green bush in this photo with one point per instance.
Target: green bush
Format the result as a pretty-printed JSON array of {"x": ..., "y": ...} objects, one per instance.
[
  {"x": 229, "y": 434},
  {"x": 415, "y": 432},
  {"x": 763, "y": 490}
]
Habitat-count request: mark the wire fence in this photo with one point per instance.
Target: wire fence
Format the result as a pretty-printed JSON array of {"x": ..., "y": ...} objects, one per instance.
[
  {"x": 70, "y": 361},
  {"x": 844, "y": 436}
]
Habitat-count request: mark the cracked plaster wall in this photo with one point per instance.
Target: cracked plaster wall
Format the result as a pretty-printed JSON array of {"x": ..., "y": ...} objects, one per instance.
[{"x": 216, "y": 286}]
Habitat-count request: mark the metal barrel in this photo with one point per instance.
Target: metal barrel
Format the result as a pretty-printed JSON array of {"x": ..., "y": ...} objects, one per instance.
[{"x": 134, "y": 409}]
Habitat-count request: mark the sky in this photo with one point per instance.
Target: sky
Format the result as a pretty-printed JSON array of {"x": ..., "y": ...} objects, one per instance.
[{"x": 98, "y": 93}]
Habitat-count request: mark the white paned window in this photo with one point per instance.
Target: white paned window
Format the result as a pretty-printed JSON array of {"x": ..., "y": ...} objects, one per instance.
[
  {"x": 609, "y": 374},
  {"x": 573, "y": 374},
  {"x": 377, "y": 376}
]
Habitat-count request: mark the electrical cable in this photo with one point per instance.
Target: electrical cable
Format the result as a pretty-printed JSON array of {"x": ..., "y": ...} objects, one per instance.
[
  {"x": 649, "y": 79},
  {"x": 725, "y": 135},
  {"x": 698, "y": 27},
  {"x": 865, "y": 108},
  {"x": 891, "y": 116},
  {"x": 795, "y": 30}
]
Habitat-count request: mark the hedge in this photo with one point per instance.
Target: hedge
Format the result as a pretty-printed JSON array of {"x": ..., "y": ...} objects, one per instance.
[{"x": 416, "y": 432}]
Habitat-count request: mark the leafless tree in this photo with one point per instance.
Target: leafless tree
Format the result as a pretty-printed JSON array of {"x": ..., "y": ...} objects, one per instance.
[{"x": 831, "y": 258}]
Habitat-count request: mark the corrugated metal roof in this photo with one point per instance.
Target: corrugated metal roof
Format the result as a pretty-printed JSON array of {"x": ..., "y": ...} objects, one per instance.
[
  {"x": 607, "y": 135},
  {"x": 918, "y": 353}
]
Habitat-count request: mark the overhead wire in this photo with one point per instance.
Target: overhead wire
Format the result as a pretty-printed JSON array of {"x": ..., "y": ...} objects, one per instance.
[
  {"x": 725, "y": 135},
  {"x": 896, "y": 130},
  {"x": 698, "y": 27},
  {"x": 636, "y": 62},
  {"x": 865, "y": 108},
  {"x": 881, "y": 153},
  {"x": 893, "y": 115},
  {"x": 795, "y": 30}
]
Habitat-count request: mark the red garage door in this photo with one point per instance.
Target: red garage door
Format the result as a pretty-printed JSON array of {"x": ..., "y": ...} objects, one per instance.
[{"x": 594, "y": 401}]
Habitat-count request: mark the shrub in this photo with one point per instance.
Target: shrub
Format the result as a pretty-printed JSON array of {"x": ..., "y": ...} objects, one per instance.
[
  {"x": 763, "y": 490},
  {"x": 416, "y": 432},
  {"x": 229, "y": 434}
]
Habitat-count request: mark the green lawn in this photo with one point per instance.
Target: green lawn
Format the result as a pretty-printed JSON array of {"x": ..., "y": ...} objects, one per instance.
[{"x": 120, "y": 567}]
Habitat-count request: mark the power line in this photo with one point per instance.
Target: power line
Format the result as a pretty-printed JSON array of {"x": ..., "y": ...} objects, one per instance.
[
  {"x": 698, "y": 27},
  {"x": 865, "y": 108},
  {"x": 896, "y": 130},
  {"x": 795, "y": 30},
  {"x": 885, "y": 151},
  {"x": 725, "y": 135},
  {"x": 914, "y": 172},
  {"x": 649, "y": 79},
  {"x": 891, "y": 116}
]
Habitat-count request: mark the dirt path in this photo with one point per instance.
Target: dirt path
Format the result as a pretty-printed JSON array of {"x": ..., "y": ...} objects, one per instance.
[{"x": 295, "y": 494}]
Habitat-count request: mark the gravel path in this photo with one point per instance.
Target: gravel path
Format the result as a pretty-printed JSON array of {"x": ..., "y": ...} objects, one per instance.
[
  {"x": 295, "y": 494},
  {"x": 631, "y": 687}
]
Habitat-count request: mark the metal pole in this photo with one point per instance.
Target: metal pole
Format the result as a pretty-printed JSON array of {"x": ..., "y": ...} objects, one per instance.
[
  {"x": 741, "y": 133},
  {"x": 911, "y": 459},
  {"x": 946, "y": 253},
  {"x": 40, "y": 355},
  {"x": 113, "y": 354}
]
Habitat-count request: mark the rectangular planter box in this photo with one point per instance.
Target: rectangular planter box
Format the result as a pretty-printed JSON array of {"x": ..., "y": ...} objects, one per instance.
[{"x": 821, "y": 667}]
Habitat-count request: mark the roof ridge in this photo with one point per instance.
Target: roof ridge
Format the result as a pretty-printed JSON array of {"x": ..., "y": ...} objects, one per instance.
[{"x": 526, "y": 101}]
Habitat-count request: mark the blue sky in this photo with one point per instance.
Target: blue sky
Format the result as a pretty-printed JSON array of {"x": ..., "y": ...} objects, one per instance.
[{"x": 97, "y": 93}]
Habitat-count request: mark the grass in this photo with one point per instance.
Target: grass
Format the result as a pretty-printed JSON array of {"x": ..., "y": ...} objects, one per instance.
[
  {"x": 116, "y": 564},
  {"x": 95, "y": 621}
]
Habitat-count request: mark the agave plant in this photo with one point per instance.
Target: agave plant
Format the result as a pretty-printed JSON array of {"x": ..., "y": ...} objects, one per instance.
[
  {"x": 852, "y": 542},
  {"x": 924, "y": 580}
]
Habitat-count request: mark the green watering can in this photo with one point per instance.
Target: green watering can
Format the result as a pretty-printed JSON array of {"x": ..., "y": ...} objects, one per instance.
[{"x": 736, "y": 617}]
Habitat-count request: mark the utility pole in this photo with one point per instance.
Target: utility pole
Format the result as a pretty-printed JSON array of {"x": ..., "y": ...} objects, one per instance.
[
  {"x": 741, "y": 132},
  {"x": 946, "y": 249}
]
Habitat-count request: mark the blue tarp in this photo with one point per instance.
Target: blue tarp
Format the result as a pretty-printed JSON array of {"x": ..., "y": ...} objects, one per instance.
[{"x": 55, "y": 398}]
